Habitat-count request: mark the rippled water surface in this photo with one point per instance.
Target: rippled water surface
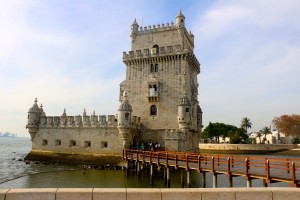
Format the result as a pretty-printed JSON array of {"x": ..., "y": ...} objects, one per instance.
[{"x": 15, "y": 173}]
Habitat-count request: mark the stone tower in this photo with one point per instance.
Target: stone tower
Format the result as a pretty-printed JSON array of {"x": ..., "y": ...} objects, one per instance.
[{"x": 161, "y": 83}]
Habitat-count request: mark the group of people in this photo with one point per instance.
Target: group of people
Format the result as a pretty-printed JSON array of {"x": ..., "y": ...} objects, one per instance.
[{"x": 149, "y": 146}]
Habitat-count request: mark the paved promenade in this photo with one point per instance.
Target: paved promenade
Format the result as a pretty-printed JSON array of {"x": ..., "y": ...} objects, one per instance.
[{"x": 150, "y": 194}]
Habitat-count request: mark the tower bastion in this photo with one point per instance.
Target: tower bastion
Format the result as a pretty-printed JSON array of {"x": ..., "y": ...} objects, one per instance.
[{"x": 159, "y": 107}]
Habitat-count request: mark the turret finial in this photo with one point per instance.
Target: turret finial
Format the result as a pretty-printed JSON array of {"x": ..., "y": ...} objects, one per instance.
[
  {"x": 64, "y": 113},
  {"x": 35, "y": 101}
]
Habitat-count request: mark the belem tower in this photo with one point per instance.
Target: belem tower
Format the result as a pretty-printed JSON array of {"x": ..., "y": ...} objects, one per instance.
[{"x": 158, "y": 104}]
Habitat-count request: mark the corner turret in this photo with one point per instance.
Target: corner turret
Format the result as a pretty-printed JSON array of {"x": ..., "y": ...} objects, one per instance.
[
  {"x": 134, "y": 29},
  {"x": 180, "y": 20},
  {"x": 124, "y": 121},
  {"x": 184, "y": 112},
  {"x": 34, "y": 115}
]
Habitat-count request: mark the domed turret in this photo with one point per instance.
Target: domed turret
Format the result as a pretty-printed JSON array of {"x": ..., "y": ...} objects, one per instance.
[
  {"x": 124, "y": 121},
  {"x": 134, "y": 29},
  {"x": 34, "y": 114},
  {"x": 124, "y": 112},
  {"x": 180, "y": 20},
  {"x": 184, "y": 115}
]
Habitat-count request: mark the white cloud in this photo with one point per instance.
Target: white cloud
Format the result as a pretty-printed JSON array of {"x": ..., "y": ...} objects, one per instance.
[
  {"x": 70, "y": 55},
  {"x": 249, "y": 53}
]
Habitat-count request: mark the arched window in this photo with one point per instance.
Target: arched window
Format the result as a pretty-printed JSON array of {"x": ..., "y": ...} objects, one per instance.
[
  {"x": 155, "y": 49},
  {"x": 153, "y": 110}
]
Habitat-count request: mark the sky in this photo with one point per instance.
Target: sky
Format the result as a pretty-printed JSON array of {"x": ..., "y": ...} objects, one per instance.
[{"x": 68, "y": 54}]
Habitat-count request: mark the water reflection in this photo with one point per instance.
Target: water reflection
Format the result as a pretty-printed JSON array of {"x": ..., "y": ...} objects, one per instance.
[{"x": 118, "y": 179}]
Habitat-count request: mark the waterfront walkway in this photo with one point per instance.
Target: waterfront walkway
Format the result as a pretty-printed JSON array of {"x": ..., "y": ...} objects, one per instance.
[{"x": 269, "y": 170}]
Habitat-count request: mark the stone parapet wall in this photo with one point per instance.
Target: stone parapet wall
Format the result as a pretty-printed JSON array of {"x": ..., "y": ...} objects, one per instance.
[
  {"x": 247, "y": 147},
  {"x": 150, "y": 194}
]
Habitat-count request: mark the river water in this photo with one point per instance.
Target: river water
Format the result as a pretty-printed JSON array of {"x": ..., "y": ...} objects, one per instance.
[{"x": 15, "y": 173}]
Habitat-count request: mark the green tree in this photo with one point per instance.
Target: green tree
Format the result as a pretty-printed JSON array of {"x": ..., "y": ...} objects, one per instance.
[
  {"x": 266, "y": 130},
  {"x": 210, "y": 131},
  {"x": 215, "y": 130},
  {"x": 246, "y": 123},
  {"x": 296, "y": 140},
  {"x": 238, "y": 137}
]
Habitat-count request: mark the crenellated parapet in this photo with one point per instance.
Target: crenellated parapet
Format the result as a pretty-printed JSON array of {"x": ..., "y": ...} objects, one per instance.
[
  {"x": 78, "y": 121},
  {"x": 155, "y": 28},
  {"x": 164, "y": 53},
  {"x": 37, "y": 119}
]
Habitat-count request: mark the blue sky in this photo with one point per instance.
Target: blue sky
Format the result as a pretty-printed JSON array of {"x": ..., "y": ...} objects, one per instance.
[{"x": 68, "y": 54}]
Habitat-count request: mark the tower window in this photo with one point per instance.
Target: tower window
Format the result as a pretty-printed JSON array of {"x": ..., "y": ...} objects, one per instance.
[
  {"x": 187, "y": 110},
  {"x": 72, "y": 143},
  {"x": 87, "y": 144},
  {"x": 126, "y": 116},
  {"x": 152, "y": 90},
  {"x": 57, "y": 142},
  {"x": 44, "y": 142},
  {"x": 155, "y": 49},
  {"x": 103, "y": 144},
  {"x": 153, "y": 68},
  {"x": 153, "y": 110}
]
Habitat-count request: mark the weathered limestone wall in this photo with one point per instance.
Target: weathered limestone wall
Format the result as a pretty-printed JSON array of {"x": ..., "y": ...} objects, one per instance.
[
  {"x": 93, "y": 145},
  {"x": 246, "y": 147},
  {"x": 78, "y": 140},
  {"x": 150, "y": 194}
]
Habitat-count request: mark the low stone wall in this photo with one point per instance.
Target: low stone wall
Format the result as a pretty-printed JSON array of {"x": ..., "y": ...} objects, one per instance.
[
  {"x": 87, "y": 158},
  {"x": 150, "y": 194},
  {"x": 245, "y": 148}
]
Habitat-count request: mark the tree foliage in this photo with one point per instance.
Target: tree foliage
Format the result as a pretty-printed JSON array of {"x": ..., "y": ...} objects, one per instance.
[
  {"x": 288, "y": 124},
  {"x": 246, "y": 123},
  {"x": 259, "y": 136},
  {"x": 215, "y": 130},
  {"x": 265, "y": 131}
]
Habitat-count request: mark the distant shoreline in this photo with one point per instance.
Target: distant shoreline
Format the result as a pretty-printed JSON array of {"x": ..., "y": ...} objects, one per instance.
[
  {"x": 2, "y": 136},
  {"x": 278, "y": 149}
]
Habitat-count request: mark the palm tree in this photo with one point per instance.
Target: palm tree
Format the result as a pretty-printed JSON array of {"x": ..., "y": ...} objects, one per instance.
[
  {"x": 266, "y": 130},
  {"x": 259, "y": 136},
  {"x": 246, "y": 123}
]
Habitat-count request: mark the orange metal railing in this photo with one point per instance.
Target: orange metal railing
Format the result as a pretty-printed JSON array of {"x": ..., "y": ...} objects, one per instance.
[{"x": 269, "y": 169}]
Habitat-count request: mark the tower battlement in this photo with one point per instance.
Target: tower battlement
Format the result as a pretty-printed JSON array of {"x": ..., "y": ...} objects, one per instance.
[
  {"x": 160, "y": 28},
  {"x": 162, "y": 34},
  {"x": 100, "y": 121},
  {"x": 160, "y": 53},
  {"x": 37, "y": 119}
]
